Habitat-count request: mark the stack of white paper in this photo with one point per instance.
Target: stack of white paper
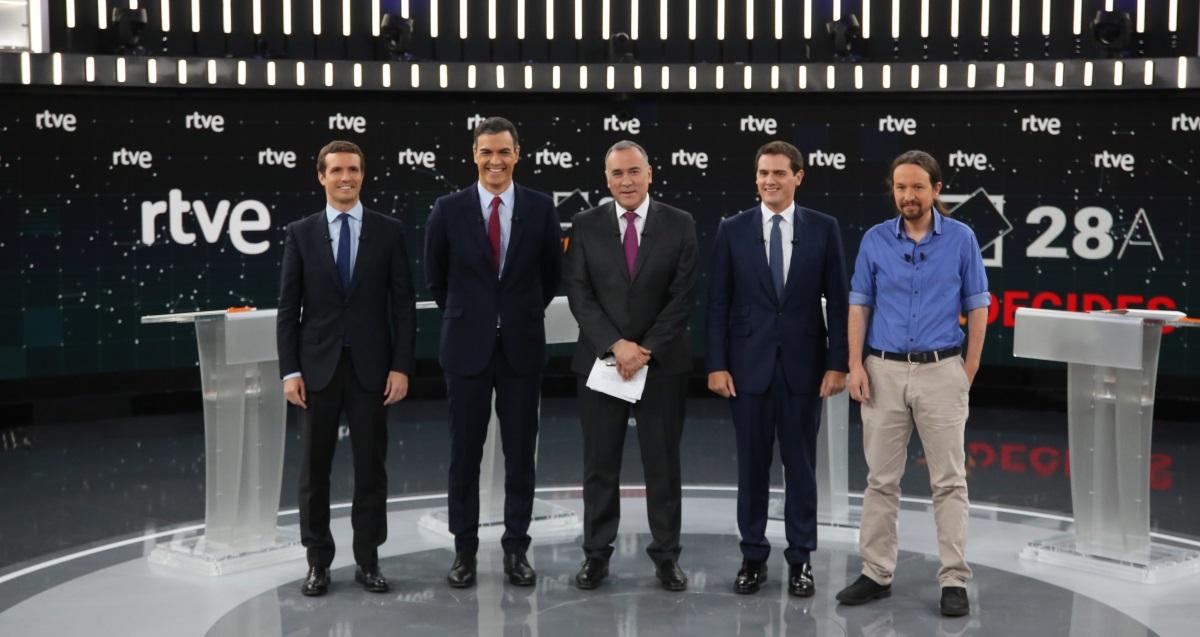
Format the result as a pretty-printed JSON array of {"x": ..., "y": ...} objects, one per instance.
[{"x": 607, "y": 380}]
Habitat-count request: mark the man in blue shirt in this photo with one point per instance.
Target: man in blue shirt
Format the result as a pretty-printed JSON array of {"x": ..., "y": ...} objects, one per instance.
[{"x": 913, "y": 277}]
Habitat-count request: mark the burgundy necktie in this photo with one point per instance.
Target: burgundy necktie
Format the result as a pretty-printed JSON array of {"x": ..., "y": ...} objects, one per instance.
[
  {"x": 494, "y": 232},
  {"x": 631, "y": 240}
]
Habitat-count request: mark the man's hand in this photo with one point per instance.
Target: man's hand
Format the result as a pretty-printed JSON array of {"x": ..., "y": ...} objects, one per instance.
[
  {"x": 396, "y": 388},
  {"x": 859, "y": 384},
  {"x": 971, "y": 369},
  {"x": 630, "y": 357},
  {"x": 293, "y": 390},
  {"x": 721, "y": 383},
  {"x": 833, "y": 383}
]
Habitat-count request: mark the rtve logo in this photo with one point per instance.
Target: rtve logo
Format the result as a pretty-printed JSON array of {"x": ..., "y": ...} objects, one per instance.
[
  {"x": 752, "y": 124},
  {"x": 547, "y": 157},
  {"x": 271, "y": 157},
  {"x": 1183, "y": 122},
  {"x": 200, "y": 121},
  {"x": 615, "y": 124},
  {"x": 410, "y": 157},
  {"x": 963, "y": 159},
  {"x": 822, "y": 159},
  {"x": 474, "y": 120},
  {"x": 1105, "y": 159},
  {"x": 246, "y": 216},
  {"x": 906, "y": 125},
  {"x": 46, "y": 119},
  {"x": 683, "y": 157},
  {"x": 141, "y": 158},
  {"x": 356, "y": 123},
  {"x": 1035, "y": 124}
]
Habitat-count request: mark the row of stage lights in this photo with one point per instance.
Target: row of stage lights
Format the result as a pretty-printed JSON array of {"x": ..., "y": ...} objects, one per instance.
[
  {"x": 583, "y": 77},
  {"x": 724, "y": 7}
]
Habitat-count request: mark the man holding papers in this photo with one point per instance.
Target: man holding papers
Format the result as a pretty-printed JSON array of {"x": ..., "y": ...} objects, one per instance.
[{"x": 629, "y": 273}]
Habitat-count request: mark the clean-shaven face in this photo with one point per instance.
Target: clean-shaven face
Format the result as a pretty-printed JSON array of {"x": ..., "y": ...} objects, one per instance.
[
  {"x": 496, "y": 154},
  {"x": 629, "y": 177},
  {"x": 776, "y": 182},
  {"x": 342, "y": 178}
]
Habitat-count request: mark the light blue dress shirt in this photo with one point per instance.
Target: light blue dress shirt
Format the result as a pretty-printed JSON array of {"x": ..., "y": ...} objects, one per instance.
[{"x": 506, "y": 214}]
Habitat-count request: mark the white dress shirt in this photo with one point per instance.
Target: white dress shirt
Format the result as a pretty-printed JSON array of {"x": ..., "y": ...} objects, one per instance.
[
  {"x": 639, "y": 224},
  {"x": 786, "y": 229}
]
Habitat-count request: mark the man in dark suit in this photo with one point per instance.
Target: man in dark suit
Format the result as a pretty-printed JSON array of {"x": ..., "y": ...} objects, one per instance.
[
  {"x": 493, "y": 256},
  {"x": 771, "y": 265},
  {"x": 630, "y": 269},
  {"x": 345, "y": 332}
]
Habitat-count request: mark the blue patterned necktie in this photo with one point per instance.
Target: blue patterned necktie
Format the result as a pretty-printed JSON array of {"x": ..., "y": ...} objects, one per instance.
[
  {"x": 343, "y": 251},
  {"x": 777, "y": 255}
]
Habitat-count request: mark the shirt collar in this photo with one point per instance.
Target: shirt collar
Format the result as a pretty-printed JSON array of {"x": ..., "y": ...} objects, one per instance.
[
  {"x": 767, "y": 213},
  {"x": 937, "y": 224},
  {"x": 356, "y": 213},
  {"x": 642, "y": 210},
  {"x": 506, "y": 197}
]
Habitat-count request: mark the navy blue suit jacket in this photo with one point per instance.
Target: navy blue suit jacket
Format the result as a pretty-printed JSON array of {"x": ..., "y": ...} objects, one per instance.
[
  {"x": 464, "y": 282},
  {"x": 748, "y": 327}
]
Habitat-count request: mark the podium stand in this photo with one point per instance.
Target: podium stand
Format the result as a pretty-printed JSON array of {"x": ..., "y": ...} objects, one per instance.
[
  {"x": 244, "y": 421},
  {"x": 1112, "y": 365},
  {"x": 547, "y": 518}
]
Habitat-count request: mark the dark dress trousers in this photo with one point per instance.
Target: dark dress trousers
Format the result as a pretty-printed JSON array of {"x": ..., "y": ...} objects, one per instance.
[
  {"x": 493, "y": 339},
  {"x": 650, "y": 308},
  {"x": 344, "y": 342},
  {"x": 777, "y": 350}
]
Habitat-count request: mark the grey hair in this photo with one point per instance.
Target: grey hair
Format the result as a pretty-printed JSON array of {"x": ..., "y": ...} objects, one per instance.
[{"x": 626, "y": 144}]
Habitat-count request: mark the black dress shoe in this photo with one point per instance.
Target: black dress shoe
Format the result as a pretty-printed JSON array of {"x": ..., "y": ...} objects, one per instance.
[
  {"x": 518, "y": 570},
  {"x": 591, "y": 573},
  {"x": 462, "y": 572},
  {"x": 954, "y": 601},
  {"x": 750, "y": 577},
  {"x": 371, "y": 579},
  {"x": 800, "y": 580},
  {"x": 671, "y": 577},
  {"x": 863, "y": 590},
  {"x": 316, "y": 583}
]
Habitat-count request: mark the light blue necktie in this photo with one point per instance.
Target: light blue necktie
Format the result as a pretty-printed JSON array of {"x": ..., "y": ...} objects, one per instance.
[
  {"x": 343, "y": 252},
  {"x": 777, "y": 255}
]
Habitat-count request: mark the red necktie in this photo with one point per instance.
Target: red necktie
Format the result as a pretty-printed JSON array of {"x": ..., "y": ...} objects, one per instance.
[
  {"x": 494, "y": 232},
  {"x": 631, "y": 240}
]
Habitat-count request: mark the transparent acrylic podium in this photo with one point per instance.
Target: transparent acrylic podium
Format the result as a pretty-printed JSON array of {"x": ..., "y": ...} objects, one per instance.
[
  {"x": 244, "y": 421},
  {"x": 1112, "y": 365},
  {"x": 548, "y": 518}
]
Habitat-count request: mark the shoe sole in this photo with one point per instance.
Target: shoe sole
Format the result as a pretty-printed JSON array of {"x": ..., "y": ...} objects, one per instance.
[
  {"x": 956, "y": 613},
  {"x": 308, "y": 593},
  {"x": 856, "y": 602}
]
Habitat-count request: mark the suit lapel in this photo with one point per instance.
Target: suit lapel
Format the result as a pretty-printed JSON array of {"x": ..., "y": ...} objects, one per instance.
[
  {"x": 516, "y": 229},
  {"x": 800, "y": 243},
  {"x": 758, "y": 254},
  {"x": 473, "y": 219},
  {"x": 651, "y": 228},
  {"x": 324, "y": 242},
  {"x": 366, "y": 241}
]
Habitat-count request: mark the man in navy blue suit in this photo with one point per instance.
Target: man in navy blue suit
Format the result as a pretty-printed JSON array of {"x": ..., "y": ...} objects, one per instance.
[
  {"x": 770, "y": 353},
  {"x": 493, "y": 254}
]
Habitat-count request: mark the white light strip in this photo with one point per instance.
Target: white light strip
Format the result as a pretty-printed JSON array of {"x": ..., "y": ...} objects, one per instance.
[
  {"x": 1148, "y": 78},
  {"x": 858, "y": 76},
  {"x": 866, "y": 19},
  {"x": 895, "y": 19},
  {"x": 287, "y": 17},
  {"x": 954, "y": 18},
  {"x": 346, "y": 18},
  {"x": 1118, "y": 73},
  {"x": 583, "y": 78},
  {"x": 610, "y": 78},
  {"x": 102, "y": 14},
  {"x": 1046, "y": 17},
  {"x": 807, "y": 19},
  {"x": 471, "y": 76},
  {"x": 748, "y": 77},
  {"x": 227, "y": 16},
  {"x": 837, "y": 10},
  {"x": 578, "y": 19},
  {"x": 691, "y": 19},
  {"x": 802, "y": 78},
  {"x": 89, "y": 69},
  {"x": 1058, "y": 73},
  {"x": 774, "y": 77},
  {"x": 499, "y": 76},
  {"x": 662, "y": 19},
  {"x": 121, "y": 70},
  {"x": 1016, "y": 18},
  {"x": 164, "y": 11},
  {"x": 376, "y": 18},
  {"x": 971, "y": 75},
  {"x": 634, "y": 20},
  {"x": 520, "y": 19},
  {"x": 491, "y": 15},
  {"x": 1000, "y": 75},
  {"x": 56, "y": 69},
  {"x": 300, "y": 74},
  {"x": 637, "y": 77},
  {"x": 1029, "y": 74},
  {"x": 549, "y": 19},
  {"x": 195, "y": 16},
  {"x": 403, "y": 14},
  {"x": 1172, "y": 15},
  {"x": 887, "y": 76},
  {"x": 1087, "y": 73},
  {"x": 241, "y": 72},
  {"x": 1141, "y": 16},
  {"x": 443, "y": 76},
  {"x": 357, "y": 75},
  {"x": 316, "y": 16},
  {"x": 915, "y": 77},
  {"x": 70, "y": 14},
  {"x": 556, "y": 77},
  {"x": 434, "y": 21},
  {"x": 414, "y": 75},
  {"x": 271, "y": 73},
  {"x": 329, "y": 74},
  {"x": 666, "y": 78},
  {"x": 1181, "y": 73},
  {"x": 692, "y": 78},
  {"x": 152, "y": 71},
  {"x": 605, "y": 19},
  {"x": 528, "y": 77},
  {"x": 750, "y": 20},
  {"x": 212, "y": 71},
  {"x": 830, "y": 77},
  {"x": 1077, "y": 17},
  {"x": 985, "y": 19},
  {"x": 924, "y": 18},
  {"x": 256, "y": 16},
  {"x": 181, "y": 72},
  {"x": 36, "y": 44},
  {"x": 462, "y": 20},
  {"x": 385, "y": 75},
  {"x": 719, "y": 80},
  {"x": 1108, "y": 5},
  {"x": 720, "y": 19},
  {"x": 943, "y": 76}
]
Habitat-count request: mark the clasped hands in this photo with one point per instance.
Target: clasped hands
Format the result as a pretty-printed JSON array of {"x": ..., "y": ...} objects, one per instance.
[{"x": 630, "y": 357}]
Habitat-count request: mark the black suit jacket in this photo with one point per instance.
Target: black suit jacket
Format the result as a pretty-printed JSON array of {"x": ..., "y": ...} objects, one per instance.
[
  {"x": 464, "y": 282},
  {"x": 377, "y": 311},
  {"x": 650, "y": 308}
]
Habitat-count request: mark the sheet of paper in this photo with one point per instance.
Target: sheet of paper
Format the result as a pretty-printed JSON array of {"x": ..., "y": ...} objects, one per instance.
[{"x": 607, "y": 380}]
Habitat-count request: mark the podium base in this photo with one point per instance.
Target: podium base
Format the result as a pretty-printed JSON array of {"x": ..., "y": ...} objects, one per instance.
[
  {"x": 547, "y": 519},
  {"x": 195, "y": 555},
  {"x": 1162, "y": 563}
]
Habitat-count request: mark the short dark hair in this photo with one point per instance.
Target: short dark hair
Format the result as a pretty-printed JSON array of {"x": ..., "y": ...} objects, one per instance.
[
  {"x": 779, "y": 147},
  {"x": 924, "y": 161},
  {"x": 340, "y": 146},
  {"x": 495, "y": 125},
  {"x": 626, "y": 144}
]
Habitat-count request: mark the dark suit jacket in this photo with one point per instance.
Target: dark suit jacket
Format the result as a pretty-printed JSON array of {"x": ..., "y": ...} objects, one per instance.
[
  {"x": 652, "y": 307},
  {"x": 377, "y": 311},
  {"x": 747, "y": 323},
  {"x": 460, "y": 274}
]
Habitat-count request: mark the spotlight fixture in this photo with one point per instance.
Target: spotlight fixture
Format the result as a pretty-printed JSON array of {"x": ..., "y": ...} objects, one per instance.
[
  {"x": 846, "y": 33},
  {"x": 128, "y": 34},
  {"x": 1113, "y": 30},
  {"x": 396, "y": 34},
  {"x": 620, "y": 49}
]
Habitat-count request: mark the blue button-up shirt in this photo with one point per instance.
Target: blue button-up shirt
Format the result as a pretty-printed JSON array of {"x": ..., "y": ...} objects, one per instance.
[
  {"x": 506, "y": 214},
  {"x": 335, "y": 229},
  {"x": 916, "y": 291}
]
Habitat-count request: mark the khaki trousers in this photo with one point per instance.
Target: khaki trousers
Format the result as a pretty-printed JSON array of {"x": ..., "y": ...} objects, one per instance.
[{"x": 933, "y": 396}]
